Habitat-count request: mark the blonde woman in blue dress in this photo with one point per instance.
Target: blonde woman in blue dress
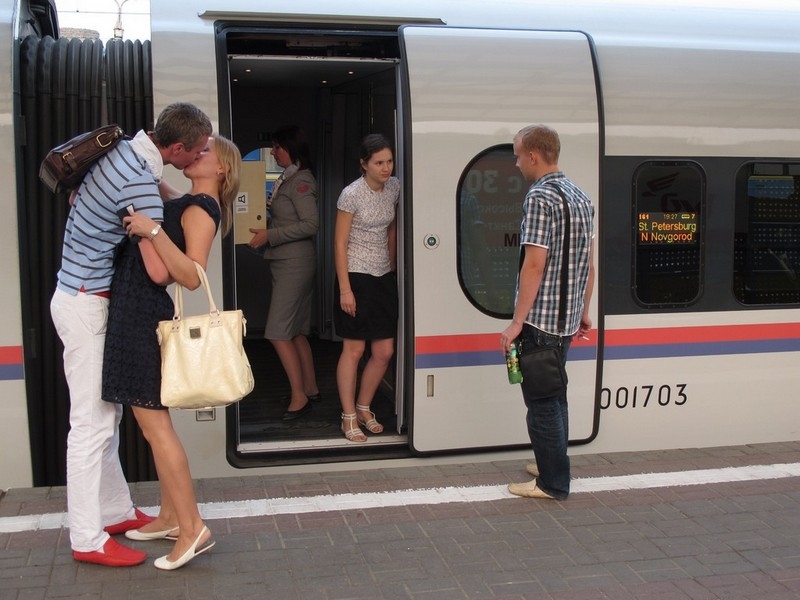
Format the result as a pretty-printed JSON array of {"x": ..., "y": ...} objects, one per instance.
[{"x": 132, "y": 357}]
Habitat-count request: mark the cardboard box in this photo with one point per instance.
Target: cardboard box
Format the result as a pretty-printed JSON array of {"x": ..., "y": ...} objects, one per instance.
[{"x": 250, "y": 207}]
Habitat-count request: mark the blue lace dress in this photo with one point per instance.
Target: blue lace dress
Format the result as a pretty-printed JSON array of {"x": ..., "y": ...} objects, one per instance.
[{"x": 132, "y": 357}]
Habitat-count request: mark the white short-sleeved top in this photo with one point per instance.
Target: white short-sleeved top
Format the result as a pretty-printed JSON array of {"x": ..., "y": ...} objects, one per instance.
[{"x": 373, "y": 212}]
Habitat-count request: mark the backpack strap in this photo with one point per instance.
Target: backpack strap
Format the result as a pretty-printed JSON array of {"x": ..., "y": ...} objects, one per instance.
[{"x": 562, "y": 290}]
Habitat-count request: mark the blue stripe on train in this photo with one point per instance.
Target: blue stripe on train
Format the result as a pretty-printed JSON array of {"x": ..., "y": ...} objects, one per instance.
[
  {"x": 484, "y": 358},
  {"x": 11, "y": 372}
]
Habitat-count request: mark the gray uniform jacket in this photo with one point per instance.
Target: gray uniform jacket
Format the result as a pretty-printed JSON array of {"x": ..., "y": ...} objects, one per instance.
[{"x": 294, "y": 218}]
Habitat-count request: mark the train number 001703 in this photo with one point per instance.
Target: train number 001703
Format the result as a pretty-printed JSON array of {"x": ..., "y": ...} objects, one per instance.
[{"x": 642, "y": 396}]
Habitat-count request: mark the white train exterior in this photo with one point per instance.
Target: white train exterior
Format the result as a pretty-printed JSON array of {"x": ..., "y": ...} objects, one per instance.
[{"x": 679, "y": 119}]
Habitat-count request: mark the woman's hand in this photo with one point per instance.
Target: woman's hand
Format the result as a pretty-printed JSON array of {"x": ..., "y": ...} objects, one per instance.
[
  {"x": 138, "y": 224},
  {"x": 347, "y": 301},
  {"x": 259, "y": 238}
]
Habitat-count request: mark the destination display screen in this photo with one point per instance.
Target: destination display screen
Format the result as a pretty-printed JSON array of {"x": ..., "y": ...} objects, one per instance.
[{"x": 676, "y": 228}]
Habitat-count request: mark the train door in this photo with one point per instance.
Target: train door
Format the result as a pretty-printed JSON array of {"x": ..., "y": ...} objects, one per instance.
[
  {"x": 469, "y": 91},
  {"x": 336, "y": 85}
]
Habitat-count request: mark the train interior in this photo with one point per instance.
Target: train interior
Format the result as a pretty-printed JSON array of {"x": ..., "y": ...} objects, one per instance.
[{"x": 337, "y": 86}]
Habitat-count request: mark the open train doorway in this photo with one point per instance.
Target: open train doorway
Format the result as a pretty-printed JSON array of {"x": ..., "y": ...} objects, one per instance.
[{"x": 337, "y": 86}]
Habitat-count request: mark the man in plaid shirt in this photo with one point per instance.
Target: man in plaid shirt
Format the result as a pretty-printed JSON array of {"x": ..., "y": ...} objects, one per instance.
[{"x": 536, "y": 320}]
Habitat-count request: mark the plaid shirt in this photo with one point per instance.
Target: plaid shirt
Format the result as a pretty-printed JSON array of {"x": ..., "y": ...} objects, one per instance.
[{"x": 543, "y": 225}]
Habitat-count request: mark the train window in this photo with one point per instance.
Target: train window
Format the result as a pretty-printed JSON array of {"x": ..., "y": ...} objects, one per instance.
[
  {"x": 766, "y": 264},
  {"x": 489, "y": 211},
  {"x": 669, "y": 204}
]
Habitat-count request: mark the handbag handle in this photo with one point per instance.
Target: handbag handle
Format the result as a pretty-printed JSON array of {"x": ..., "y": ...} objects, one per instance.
[{"x": 213, "y": 311}]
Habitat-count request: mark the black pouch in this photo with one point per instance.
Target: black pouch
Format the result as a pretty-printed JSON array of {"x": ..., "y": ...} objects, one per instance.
[{"x": 543, "y": 372}]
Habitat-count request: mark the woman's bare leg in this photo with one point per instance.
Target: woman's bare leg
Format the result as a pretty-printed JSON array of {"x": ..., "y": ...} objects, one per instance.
[{"x": 173, "y": 472}]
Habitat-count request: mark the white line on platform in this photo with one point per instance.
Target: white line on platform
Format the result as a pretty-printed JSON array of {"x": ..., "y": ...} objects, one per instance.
[{"x": 483, "y": 493}]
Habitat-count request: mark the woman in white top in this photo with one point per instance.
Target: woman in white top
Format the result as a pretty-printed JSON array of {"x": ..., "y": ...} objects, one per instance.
[{"x": 365, "y": 251}]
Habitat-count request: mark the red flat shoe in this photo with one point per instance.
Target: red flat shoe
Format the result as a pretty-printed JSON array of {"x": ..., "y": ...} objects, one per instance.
[
  {"x": 113, "y": 554},
  {"x": 140, "y": 520}
]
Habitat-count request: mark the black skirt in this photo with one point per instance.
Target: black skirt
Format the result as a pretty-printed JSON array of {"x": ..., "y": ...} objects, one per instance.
[{"x": 376, "y": 308}]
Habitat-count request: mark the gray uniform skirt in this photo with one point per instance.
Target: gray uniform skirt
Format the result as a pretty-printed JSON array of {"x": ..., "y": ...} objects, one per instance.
[{"x": 289, "y": 312}]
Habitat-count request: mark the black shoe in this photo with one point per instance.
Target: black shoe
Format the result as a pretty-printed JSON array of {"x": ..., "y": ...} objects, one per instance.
[
  {"x": 315, "y": 398},
  {"x": 291, "y": 415}
]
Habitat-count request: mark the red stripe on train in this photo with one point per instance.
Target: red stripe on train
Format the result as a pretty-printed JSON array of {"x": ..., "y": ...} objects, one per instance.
[
  {"x": 10, "y": 355},
  {"x": 702, "y": 333},
  {"x": 475, "y": 342},
  {"x": 479, "y": 342}
]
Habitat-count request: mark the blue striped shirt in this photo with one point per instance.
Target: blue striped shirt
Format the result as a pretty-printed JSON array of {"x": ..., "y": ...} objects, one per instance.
[
  {"x": 543, "y": 225},
  {"x": 94, "y": 226}
]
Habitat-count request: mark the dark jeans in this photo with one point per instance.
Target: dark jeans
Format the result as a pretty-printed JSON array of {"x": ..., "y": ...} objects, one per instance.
[{"x": 548, "y": 423}]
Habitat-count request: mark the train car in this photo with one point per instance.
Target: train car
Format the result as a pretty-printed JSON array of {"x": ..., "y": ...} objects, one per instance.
[
  {"x": 680, "y": 121},
  {"x": 15, "y": 458}
]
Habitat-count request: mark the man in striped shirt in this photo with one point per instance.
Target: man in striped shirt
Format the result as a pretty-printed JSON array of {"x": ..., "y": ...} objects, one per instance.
[
  {"x": 98, "y": 497},
  {"x": 553, "y": 206}
]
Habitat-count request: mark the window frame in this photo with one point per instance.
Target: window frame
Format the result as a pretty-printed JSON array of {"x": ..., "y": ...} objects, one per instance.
[
  {"x": 636, "y": 209},
  {"x": 743, "y": 242},
  {"x": 517, "y": 190}
]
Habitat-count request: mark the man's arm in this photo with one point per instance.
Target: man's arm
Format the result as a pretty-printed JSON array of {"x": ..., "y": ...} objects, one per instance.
[
  {"x": 530, "y": 278},
  {"x": 586, "y": 319}
]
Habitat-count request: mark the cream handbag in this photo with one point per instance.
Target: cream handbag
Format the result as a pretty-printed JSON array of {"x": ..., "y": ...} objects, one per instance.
[{"x": 203, "y": 363}]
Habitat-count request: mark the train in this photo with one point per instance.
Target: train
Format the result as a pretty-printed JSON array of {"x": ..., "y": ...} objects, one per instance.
[{"x": 679, "y": 119}]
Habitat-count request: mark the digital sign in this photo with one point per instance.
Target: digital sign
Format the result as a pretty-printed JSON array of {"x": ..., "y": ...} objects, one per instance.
[{"x": 667, "y": 228}]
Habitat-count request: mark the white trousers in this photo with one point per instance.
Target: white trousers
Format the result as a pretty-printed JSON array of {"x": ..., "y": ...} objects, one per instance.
[{"x": 97, "y": 493}]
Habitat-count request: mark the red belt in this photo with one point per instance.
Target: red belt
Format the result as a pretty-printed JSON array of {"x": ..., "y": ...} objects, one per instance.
[{"x": 105, "y": 294}]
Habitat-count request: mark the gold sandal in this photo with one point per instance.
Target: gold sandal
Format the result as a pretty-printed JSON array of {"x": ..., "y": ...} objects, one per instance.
[
  {"x": 372, "y": 425},
  {"x": 353, "y": 434}
]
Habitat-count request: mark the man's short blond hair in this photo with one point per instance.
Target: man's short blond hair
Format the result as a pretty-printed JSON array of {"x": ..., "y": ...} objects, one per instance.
[{"x": 542, "y": 139}]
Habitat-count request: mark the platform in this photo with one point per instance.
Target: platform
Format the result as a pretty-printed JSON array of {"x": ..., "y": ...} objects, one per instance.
[{"x": 719, "y": 523}]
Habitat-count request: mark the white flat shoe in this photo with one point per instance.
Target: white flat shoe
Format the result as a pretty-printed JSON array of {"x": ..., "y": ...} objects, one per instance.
[
  {"x": 165, "y": 564},
  {"x": 144, "y": 536}
]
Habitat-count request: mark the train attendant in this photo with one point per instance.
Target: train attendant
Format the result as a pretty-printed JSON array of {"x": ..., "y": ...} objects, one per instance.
[
  {"x": 365, "y": 249},
  {"x": 139, "y": 300},
  {"x": 537, "y": 320},
  {"x": 290, "y": 250},
  {"x": 98, "y": 497}
]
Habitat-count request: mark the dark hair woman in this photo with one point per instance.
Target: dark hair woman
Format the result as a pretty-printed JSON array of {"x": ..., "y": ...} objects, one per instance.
[
  {"x": 365, "y": 254},
  {"x": 289, "y": 246}
]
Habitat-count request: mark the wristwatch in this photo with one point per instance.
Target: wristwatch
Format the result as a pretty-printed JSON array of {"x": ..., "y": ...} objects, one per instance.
[{"x": 155, "y": 231}]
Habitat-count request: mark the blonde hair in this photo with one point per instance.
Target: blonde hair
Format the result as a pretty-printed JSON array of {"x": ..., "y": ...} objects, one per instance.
[
  {"x": 543, "y": 139},
  {"x": 231, "y": 160}
]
